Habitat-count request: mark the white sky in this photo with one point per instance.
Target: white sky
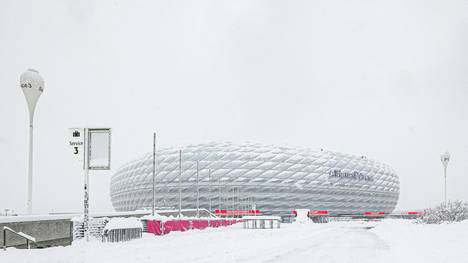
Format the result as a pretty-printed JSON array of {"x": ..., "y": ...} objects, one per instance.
[{"x": 385, "y": 79}]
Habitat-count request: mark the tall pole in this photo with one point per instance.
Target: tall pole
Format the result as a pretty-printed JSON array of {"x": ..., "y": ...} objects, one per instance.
[
  {"x": 226, "y": 203},
  {"x": 445, "y": 185},
  {"x": 445, "y": 158},
  {"x": 198, "y": 195},
  {"x": 180, "y": 175},
  {"x": 30, "y": 164},
  {"x": 154, "y": 172},
  {"x": 209, "y": 194},
  {"x": 234, "y": 189},
  {"x": 238, "y": 203},
  {"x": 86, "y": 186},
  {"x": 219, "y": 194},
  {"x": 32, "y": 85}
]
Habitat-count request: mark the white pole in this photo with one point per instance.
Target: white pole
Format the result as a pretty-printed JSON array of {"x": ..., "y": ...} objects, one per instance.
[
  {"x": 86, "y": 186},
  {"x": 233, "y": 201},
  {"x": 154, "y": 171},
  {"x": 238, "y": 204},
  {"x": 225, "y": 198},
  {"x": 30, "y": 163},
  {"x": 219, "y": 193},
  {"x": 445, "y": 184},
  {"x": 445, "y": 158},
  {"x": 180, "y": 175},
  {"x": 198, "y": 195},
  {"x": 209, "y": 194}
]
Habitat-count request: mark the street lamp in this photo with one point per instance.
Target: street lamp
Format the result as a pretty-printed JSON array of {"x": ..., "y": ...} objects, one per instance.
[
  {"x": 32, "y": 85},
  {"x": 445, "y": 158}
]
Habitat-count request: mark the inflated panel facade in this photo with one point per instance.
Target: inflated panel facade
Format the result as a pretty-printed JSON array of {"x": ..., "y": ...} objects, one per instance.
[{"x": 269, "y": 178}]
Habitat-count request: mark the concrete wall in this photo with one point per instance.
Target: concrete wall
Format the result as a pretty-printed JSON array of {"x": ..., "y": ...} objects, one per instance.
[
  {"x": 49, "y": 230},
  {"x": 47, "y": 233}
]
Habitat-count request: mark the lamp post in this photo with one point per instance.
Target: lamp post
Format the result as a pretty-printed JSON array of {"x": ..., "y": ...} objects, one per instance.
[
  {"x": 445, "y": 158},
  {"x": 32, "y": 85}
]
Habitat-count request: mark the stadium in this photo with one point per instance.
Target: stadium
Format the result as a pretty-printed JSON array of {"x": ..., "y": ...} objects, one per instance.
[{"x": 245, "y": 176}]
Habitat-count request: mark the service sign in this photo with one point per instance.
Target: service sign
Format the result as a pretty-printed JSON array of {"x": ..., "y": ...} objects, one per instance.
[{"x": 76, "y": 141}]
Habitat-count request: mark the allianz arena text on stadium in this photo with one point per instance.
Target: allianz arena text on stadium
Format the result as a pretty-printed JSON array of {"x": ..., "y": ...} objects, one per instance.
[{"x": 273, "y": 179}]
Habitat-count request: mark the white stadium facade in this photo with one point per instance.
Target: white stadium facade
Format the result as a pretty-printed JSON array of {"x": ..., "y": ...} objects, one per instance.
[{"x": 269, "y": 178}]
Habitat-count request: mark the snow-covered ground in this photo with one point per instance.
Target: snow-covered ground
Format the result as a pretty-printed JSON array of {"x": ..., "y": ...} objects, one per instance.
[{"x": 386, "y": 241}]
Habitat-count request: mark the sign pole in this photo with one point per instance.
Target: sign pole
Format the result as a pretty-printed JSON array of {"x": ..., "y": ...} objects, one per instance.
[
  {"x": 154, "y": 170},
  {"x": 92, "y": 149},
  {"x": 86, "y": 186}
]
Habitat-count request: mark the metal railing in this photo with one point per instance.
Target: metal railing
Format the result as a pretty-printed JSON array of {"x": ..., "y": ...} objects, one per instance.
[
  {"x": 119, "y": 235},
  {"x": 28, "y": 238},
  {"x": 261, "y": 222}
]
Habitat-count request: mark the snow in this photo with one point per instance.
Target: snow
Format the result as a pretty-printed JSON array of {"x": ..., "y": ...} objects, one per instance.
[
  {"x": 387, "y": 241},
  {"x": 156, "y": 217},
  {"x": 71, "y": 216},
  {"x": 262, "y": 217},
  {"x": 123, "y": 223},
  {"x": 302, "y": 215}
]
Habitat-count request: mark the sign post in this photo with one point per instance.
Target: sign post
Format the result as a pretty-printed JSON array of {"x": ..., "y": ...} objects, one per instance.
[
  {"x": 92, "y": 148},
  {"x": 86, "y": 188}
]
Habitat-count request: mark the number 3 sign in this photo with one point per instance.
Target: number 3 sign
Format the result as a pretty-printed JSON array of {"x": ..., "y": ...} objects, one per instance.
[{"x": 76, "y": 142}]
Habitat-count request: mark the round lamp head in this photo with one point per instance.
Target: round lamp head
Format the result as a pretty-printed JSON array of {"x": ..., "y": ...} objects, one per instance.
[
  {"x": 32, "y": 85},
  {"x": 445, "y": 158}
]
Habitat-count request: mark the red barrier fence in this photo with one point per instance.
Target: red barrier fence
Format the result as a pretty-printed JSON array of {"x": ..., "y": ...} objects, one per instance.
[{"x": 159, "y": 227}]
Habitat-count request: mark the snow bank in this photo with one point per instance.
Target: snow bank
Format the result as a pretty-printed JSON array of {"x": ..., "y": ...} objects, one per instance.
[
  {"x": 388, "y": 241},
  {"x": 123, "y": 223},
  {"x": 156, "y": 217},
  {"x": 27, "y": 218},
  {"x": 411, "y": 242}
]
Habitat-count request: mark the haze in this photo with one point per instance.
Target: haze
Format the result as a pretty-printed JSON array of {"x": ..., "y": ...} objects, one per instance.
[{"x": 385, "y": 79}]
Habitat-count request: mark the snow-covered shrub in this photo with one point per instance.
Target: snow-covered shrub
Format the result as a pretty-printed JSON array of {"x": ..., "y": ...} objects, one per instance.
[{"x": 453, "y": 211}]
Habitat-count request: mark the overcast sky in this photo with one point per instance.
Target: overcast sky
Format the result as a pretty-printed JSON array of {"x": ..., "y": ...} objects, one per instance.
[{"x": 385, "y": 79}]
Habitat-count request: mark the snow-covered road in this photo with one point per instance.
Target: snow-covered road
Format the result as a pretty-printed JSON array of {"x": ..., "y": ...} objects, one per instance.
[{"x": 388, "y": 241}]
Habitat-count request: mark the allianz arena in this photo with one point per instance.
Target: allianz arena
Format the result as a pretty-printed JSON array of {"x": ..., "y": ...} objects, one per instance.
[{"x": 273, "y": 179}]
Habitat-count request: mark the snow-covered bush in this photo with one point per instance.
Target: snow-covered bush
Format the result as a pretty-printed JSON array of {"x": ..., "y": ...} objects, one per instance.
[{"x": 453, "y": 211}]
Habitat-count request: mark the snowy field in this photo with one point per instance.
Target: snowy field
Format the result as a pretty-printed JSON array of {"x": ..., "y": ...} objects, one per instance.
[{"x": 386, "y": 241}]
